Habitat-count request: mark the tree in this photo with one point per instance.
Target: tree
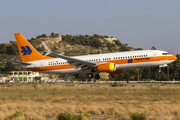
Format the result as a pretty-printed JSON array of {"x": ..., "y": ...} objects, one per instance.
[
  {"x": 163, "y": 77},
  {"x": 95, "y": 42},
  {"x": 138, "y": 49},
  {"x": 12, "y": 49},
  {"x": 110, "y": 46},
  {"x": 146, "y": 73},
  {"x": 118, "y": 77},
  {"x": 174, "y": 69},
  {"x": 43, "y": 35},
  {"x": 117, "y": 42},
  {"x": 37, "y": 78},
  {"x": 71, "y": 79},
  {"x": 52, "y": 34},
  {"x": 153, "y": 48},
  {"x": 3, "y": 49},
  {"x": 9, "y": 66},
  {"x": 124, "y": 48},
  {"x": 62, "y": 76},
  {"x": 80, "y": 76},
  {"x": 126, "y": 77}
]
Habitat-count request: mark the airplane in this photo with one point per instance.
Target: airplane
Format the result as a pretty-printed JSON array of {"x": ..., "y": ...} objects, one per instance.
[{"x": 112, "y": 63}]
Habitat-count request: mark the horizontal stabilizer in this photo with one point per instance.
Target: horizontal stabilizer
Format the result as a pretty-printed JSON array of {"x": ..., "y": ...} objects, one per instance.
[{"x": 18, "y": 62}]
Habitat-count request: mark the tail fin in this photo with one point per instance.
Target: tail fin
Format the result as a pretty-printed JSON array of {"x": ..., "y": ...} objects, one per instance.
[{"x": 27, "y": 51}]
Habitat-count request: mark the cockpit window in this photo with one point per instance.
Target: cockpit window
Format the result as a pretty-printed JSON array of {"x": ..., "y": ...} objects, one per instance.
[{"x": 165, "y": 53}]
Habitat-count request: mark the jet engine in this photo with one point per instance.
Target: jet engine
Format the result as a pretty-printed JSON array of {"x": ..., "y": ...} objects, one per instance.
[{"x": 106, "y": 67}]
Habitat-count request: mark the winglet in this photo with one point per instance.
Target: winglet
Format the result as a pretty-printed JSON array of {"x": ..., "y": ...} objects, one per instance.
[{"x": 46, "y": 49}]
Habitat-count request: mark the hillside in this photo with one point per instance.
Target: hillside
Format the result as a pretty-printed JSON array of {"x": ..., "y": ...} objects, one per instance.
[{"x": 80, "y": 44}]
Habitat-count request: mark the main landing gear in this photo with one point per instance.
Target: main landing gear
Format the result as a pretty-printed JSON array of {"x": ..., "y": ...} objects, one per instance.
[
  {"x": 97, "y": 77},
  {"x": 90, "y": 75}
]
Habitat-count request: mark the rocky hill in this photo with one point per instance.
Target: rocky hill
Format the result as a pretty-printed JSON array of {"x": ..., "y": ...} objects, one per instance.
[{"x": 80, "y": 44}]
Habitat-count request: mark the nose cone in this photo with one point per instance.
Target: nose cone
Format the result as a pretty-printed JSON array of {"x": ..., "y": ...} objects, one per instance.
[{"x": 174, "y": 58}]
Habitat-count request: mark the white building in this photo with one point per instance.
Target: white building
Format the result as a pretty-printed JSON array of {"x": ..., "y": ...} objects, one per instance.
[{"x": 23, "y": 76}]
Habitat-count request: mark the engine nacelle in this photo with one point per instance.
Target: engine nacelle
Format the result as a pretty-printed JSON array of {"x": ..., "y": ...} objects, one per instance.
[
  {"x": 122, "y": 71},
  {"x": 107, "y": 67}
]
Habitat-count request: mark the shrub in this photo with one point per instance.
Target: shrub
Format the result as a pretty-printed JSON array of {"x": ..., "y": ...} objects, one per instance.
[
  {"x": 87, "y": 116},
  {"x": 64, "y": 116},
  {"x": 17, "y": 114},
  {"x": 71, "y": 79},
  {"x": 43, "y": 35},
  {"x": 121, "y": 85},
  {"x": 137, "y": 116},
  {"x": 17, "y": 81},
  {"x": 77, "y": 117},
  {"x": 104, "y": 88},
  {"x": 68, "y": 116},
  {"x": 114, "y": 84},
  {"x": 35, "y": 86}
]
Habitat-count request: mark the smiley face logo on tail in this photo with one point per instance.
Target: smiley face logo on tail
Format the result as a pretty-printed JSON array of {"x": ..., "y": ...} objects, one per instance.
[{"x": 26, "y": 50}]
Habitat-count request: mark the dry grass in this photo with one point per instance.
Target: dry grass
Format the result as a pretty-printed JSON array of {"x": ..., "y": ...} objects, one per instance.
[{"x": 99, "y": 102}]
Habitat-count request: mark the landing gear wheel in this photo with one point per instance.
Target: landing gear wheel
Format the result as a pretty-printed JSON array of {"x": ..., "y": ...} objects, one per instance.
[
  {"x": 97, "y": 77},
  {"x": 90, "y": 75}
]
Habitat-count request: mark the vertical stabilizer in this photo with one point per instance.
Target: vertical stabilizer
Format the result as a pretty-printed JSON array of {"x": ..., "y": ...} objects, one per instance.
[{"x": 27, "y": 51}]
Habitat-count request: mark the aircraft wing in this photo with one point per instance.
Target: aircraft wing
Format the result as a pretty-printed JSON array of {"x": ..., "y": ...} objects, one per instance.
[
  {"x": 18, "y": 62},
  {"x": 72, "y": 61}
]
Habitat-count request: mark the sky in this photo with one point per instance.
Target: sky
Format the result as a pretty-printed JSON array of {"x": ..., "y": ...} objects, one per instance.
[{"x": 139, "y": 23}]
